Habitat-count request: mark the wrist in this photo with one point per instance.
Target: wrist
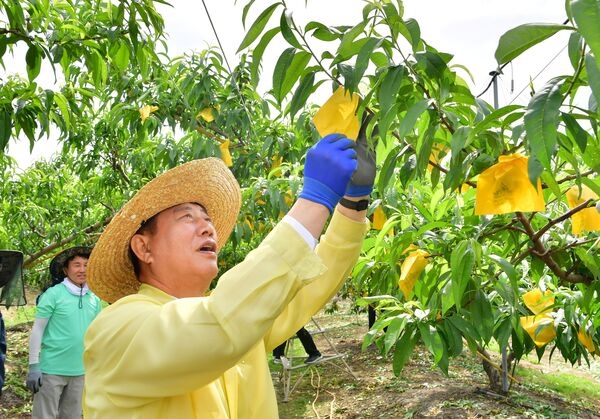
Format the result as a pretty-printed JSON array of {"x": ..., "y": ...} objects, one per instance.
[
  {"x": 318, "y": 192},
  {"x": 353, "y": 214}
]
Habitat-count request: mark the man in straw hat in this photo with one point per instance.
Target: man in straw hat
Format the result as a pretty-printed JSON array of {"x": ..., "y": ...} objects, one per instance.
[
  {"x": 165, "y": 349},
  {"x": 63, "y": 314}
]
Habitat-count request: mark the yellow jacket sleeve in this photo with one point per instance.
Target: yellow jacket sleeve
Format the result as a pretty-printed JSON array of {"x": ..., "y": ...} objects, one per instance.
[
  {"x": 338, "y": 250},
  {"x": 150, "y": 345}
]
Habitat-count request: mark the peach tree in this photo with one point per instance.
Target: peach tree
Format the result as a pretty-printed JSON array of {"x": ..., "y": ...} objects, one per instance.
[{"x": 488, "y": 214}]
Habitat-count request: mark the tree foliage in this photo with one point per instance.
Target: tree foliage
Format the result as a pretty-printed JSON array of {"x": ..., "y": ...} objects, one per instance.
[
  {"x": 124, "y": 110},
  {"x": 436, "y": 138}
]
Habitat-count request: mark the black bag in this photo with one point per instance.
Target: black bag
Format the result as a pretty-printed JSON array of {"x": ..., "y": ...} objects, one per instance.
[{"x": 12, "y": 288}]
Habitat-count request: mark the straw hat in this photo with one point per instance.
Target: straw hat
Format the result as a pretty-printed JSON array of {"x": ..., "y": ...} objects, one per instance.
[
  {"x": 206, "y": 181},
  {"x": 57, "y": 264}
]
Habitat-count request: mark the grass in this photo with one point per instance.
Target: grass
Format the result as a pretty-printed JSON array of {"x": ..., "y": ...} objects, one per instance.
[
  {"x": 572, "y": 387},
  {"x": 17, "y": 315}
]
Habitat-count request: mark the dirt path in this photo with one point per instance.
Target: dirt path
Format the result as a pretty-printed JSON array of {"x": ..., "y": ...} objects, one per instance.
[{"x": 327, "y": 390}]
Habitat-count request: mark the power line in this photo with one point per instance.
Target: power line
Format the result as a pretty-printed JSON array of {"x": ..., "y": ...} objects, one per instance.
[
  {"x": 237, "y": 88},
  {"x": 217, "y": 36},
  {"x": 498, "y": 71},
  {"x": 538, "y": 74}
]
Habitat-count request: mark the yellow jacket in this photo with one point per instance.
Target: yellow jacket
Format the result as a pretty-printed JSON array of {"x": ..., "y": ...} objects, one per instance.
[{"x": 150, "y": 355}]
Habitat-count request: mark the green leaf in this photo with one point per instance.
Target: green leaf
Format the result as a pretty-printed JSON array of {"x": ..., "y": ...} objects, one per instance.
[
  {"x": 575, "y": 48},
  {"x": 541, "y": 122},
  {"x": 395, "y": 328},
  {"x": 410, "y": 119},
  {"x": 453, "y": 337},
  {"x": 302, "y": 93},
  {"x": 575, "y": 130},
  {"x": 434, "y": 343},
  {"x": 593, "y": 73},
  {"x": 363, "y": 58},
  {"x": 97, "y": 67},
  {"x": 404, "y": 349},
  {"x": 425, "y": 140},
  {"x": 458, "y": 142},
  {"x": 246, "y": 10},
  {"x": 508, "y": 269},
  {"x": 387, "y": 169},
  {"x": 431, "y": 63},
  {"x": 321, "y": 32},
  {"x": 258, "y": 26},
  {"x": 462, "y": 261},
  {"x": 551, "y": 183},
  {"x": 386, "y": 116},
  {"x": 258, "y": 52},
  {"x": 349, "y": 47},
  {"x": 503, "y": 331},
  {"x": 466, "y": 328},
  {"x": 407, "y": 171},
  {"x": 61, "y": 102},
  {"x": 286, "y": 30},
  {"x": 386, "y": 93},
  {"x": 534, "y": 170},
  {"x": 33, "y": 59},
  {"x": 5, "y": 126},
  {"x": 294, "y": 71},
  {"x": 120, "y": 56},
  {"x": 518, "y": 40},
  {"x": 492, "y": 118},
  {"x": 412, "y": 32},
  {"x": 586, "y": 14},
  {"x": 589, "y": 261},
  {"x": 482, "y": 316},
  {"x": 14, "y": 11},
  {"x": 280, "y": 71},
  {"x": 143, "y": 61},
  {"x": 591, "y": 184}
]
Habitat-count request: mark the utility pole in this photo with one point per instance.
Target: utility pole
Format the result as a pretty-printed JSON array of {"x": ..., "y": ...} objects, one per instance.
[{"x": 503, "y": 350}]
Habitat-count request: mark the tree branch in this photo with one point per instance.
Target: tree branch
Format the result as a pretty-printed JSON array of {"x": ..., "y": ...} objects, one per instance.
[
  {"x": 30, "y": 261},
  {"x": 563, "y": 217},
  {"x": 545, "y": 255}
]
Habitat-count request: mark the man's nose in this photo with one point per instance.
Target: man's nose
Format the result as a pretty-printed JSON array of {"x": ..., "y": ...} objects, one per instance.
[{"x": 205, "y": 228}]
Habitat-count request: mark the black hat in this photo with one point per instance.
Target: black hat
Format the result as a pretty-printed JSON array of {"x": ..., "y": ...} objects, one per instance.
[{"x": 58, "y": 262}]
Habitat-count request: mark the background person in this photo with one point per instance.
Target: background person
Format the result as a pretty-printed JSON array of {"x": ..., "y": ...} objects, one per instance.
[
  {"x": 63, "y": 313},
  {"x": 308, "y": 344}
]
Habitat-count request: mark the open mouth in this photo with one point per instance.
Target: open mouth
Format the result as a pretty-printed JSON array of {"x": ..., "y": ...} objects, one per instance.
[{"x": 209, "y": 247}]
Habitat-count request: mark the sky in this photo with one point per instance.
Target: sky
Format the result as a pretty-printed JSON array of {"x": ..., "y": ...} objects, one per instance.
[{"x": 467, "y": 29}]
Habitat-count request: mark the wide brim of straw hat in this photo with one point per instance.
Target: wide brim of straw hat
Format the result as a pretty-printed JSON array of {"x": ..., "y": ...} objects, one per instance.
[
  {"x": 58, "y": 262},
  {"x": 207, "y": 182}
]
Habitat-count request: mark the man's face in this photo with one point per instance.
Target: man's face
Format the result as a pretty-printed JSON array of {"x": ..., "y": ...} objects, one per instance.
[
  {"x": 75, "y": 270},
  {"x": 182, "y": 251}
]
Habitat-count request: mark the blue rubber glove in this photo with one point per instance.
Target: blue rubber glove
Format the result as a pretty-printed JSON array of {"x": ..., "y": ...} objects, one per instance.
[
  {"x": 361, "y": 183},
  {"x": 329, "y": 166},
  {"x": 34, "y": 378}
]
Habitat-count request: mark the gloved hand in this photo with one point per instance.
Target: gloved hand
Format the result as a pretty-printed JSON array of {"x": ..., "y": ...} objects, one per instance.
[
  {"x": 34, "y": 378},
  {"x": 361, "y": 183},
  {"x": 329, "y": 165}
]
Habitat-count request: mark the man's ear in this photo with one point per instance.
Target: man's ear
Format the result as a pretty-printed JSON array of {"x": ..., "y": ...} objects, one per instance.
[{"x": 139, "y": 246}]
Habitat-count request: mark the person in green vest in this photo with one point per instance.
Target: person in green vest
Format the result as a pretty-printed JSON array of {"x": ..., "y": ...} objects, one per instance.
[{"x": 63, "y": 314}]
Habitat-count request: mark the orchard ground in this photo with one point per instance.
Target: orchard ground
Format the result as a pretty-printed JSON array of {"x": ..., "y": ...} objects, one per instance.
[{"x": 327, "y": 390}]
